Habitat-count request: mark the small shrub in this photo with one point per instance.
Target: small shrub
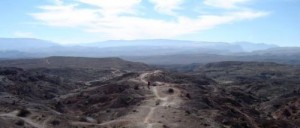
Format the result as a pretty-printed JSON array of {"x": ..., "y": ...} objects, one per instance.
[
  {"x": 286, "y": 113},
  {"x": 13, "y": 103},
  {"x": 55, "y": 122},
  {"x": 188, "y": 95},
  {"x": 157, "y": 102},
  {"x": 82, "y": 119},
  {"x": 23, "y": 113},
  {"x": 171, "y": 90},
  {"x": 187, "y": 112},
  {"x": 20, "y": 122},
  {"x": 136, "y": 87},
  {"x": 165, "y": 126}
]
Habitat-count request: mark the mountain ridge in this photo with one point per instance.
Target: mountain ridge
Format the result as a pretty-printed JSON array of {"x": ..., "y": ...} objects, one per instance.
[
  {"x": 73, "y": 62},
  {"x": 24, "y": 44}
]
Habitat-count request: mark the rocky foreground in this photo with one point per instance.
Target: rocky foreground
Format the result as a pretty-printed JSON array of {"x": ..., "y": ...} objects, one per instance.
[{"x": 226, "y": 94}]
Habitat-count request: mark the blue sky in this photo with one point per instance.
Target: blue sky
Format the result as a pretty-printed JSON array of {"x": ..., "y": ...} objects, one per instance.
[{"x": 84, "y": 21}]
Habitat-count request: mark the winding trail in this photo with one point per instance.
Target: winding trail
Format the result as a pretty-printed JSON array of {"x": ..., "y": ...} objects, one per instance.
[
  {"x": 163, "y": 101},
  {"x": 148, "y": 119},
  {"x": 149, "y": 115},
  {"x": 27, "y": 120}
]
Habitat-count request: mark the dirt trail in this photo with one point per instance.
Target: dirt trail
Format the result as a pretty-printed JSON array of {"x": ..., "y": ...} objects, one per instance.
[
  {"x": 145, "y": 118},
  {"x": 27, "y": 120},
  {"x": 142, "y": 118},
  {"x": 143, "y": 77},
  {"x": 149, "y": 115},
  {"x": 164, "y": 101}
]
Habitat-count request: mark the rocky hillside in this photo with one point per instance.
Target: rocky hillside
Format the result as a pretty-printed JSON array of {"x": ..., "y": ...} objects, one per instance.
[
  {"x": 252, "y": 94},
  {"x": 225, "y": 94},
  {"x": 32, "y": 85},
  {"x": 74, "y": 62}
]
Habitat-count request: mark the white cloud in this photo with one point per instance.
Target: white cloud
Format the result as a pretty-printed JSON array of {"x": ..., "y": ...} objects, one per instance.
[
  {"x": 141, "y": 28},
  {"x": 106, "y": 18},
  {"x": 21, "y": 34},
  {"x": 166, "y": 6},
  {"x": 227, "y": 4},
  {"x": 65, "y": 15},
  {"x": 58, "y": 2},
  {"x": 114, "y": 7}
]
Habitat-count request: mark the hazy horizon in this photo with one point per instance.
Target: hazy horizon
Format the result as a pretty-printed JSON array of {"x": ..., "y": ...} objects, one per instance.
[
  {"x": 86, "y": 21},
  {"x": 128, "y": 40}
]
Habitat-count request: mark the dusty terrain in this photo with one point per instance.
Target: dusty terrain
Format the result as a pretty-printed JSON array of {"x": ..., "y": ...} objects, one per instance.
[{"x": 226, "y": 94}]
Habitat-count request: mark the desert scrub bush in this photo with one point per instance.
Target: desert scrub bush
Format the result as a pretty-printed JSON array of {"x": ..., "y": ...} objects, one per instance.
[
  {"x": 136, "y": 87},
  {"x": 55, "y": 122},
  {"x": 170, "y": 90},
  {"x": 23, "y": 113},
  {"x": 20, "y": 123},
  {"x": 188, "y": 96}
]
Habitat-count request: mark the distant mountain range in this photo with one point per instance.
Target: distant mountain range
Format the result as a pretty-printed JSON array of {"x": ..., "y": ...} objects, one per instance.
[
  {"x": 24, "y": 44},
  {"x": 197, "y": 46},
  {"x": 159, "y": 51}
]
